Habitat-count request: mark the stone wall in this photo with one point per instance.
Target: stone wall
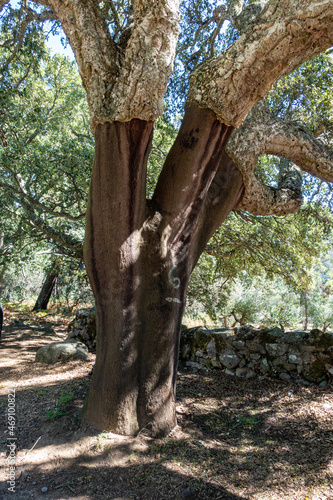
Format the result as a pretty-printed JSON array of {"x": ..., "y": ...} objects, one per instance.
[
  {"x": 83, "y": 327},
  {"x": 248, "y": 352},
  {"x": 243, "y": 352}
]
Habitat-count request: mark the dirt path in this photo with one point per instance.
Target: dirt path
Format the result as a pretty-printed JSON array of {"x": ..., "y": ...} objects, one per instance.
[{"x": 237, "y": 439}]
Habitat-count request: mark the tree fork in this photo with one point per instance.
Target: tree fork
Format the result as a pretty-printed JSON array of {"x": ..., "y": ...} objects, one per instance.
[{"x": 139, "y": 258}]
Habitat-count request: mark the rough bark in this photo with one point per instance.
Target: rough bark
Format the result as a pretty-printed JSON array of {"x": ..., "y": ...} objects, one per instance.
[
  {"x": 262, "y": 133},
  {"x": 285, "y": 35},
  {"x": 97, "y": 56},
  {"x": 122, "y": 84}
]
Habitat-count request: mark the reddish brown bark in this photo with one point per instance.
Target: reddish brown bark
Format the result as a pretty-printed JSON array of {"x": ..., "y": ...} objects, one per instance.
[
  {"x": 115, "y": 214},
  {"x": 139, "y": 257},
  {"x": 224, "y": 194}
]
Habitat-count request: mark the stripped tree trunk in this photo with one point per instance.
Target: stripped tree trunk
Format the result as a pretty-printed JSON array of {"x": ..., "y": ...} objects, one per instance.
[{"x": 139, "y": 268}]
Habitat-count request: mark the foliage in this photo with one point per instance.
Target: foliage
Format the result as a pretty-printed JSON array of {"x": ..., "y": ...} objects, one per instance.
[
  {"x": 22, "y": 279},
  {"x": 73, "y": 288},
  {"x": 252, "y": 300},
  {"x": 305, "y": 97},
  {"x": 45, "y": 152},
  {"x": 287, "y": 249}
]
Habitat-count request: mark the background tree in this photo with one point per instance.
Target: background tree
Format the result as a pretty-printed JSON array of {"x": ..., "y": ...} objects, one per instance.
[
  {"x": 46, "y": 154},
  {"x": 139, "y": 255},
  {"x": 46, "y": 151}
]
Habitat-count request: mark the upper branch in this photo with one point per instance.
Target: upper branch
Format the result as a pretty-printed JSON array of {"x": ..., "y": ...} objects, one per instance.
[
  {"x": 286, "y": 198},
  {"x": 287, "y": 33},
  {"x": 128, "y": 82},
  {"x": 148, "y": 61},
  {"x": 262, "y": 133}
]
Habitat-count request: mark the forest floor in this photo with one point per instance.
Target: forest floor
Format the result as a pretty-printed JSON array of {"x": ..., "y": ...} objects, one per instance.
[{"x": 237, "y": 439}]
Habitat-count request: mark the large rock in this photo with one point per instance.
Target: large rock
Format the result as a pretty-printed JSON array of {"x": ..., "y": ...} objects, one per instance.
[
  {"x": 61, "y": 351},
  {"x": 276, "y": 349}
]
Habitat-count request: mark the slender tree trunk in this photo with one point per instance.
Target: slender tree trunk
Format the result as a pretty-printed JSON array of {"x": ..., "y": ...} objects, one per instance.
[
  {"x": 46, "y": 291},
  {"x": 139, "y": 256},
  {"x": 1, "y": 319},
  {"x": 305, "y": 299}
]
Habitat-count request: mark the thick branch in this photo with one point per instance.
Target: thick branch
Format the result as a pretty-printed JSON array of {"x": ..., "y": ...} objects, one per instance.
[
  {"x": 287, "y": 33},
  {"x": 188, "y": 171},
  {"x": 260, "y": 199},
  {"x": 301, "y": 147},
  {"x": 148, "y": 62},
  {"x": 262, "y": 133},
  {"x": 225, "y": 192}
]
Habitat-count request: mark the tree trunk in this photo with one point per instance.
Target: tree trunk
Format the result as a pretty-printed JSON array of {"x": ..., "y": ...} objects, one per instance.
[
  {"x": 139, "y": 257},
  {"x": 1, "y": 319},
  {"x": 305, "y": 299},
  {"x": 46, "y": 291}
]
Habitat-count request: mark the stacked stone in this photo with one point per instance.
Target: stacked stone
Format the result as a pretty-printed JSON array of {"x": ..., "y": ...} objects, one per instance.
[
  {"x": 248, "y": 352},
  {"x": 83, "y": 328},
  {"x": 244, "y": 352}
]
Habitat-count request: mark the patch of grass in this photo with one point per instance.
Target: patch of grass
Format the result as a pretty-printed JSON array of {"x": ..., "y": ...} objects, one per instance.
[
  {"x": 59, "y": 410},
  {"x": 155, "y": 448},
  {"x": 103, "y": 443},
  {"x": 65, "y": 399},
  {"x": 54, "y": 414},
  {"x": 23, "y": 307},
  {"x": 41, "y": 314},
  {"x": 40, "y": 392},
  {"x": 249, "y": 421}
]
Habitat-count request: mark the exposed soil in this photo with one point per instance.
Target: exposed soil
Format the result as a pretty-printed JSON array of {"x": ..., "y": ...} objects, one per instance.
[{"x": 237, "y": 439}]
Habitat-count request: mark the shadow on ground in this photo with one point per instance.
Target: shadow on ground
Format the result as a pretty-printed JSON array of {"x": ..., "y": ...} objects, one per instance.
[{"x": 237, "y": 439}]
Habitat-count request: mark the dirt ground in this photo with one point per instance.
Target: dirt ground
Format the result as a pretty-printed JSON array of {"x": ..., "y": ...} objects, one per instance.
[{"x": 237, "y": 439}]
